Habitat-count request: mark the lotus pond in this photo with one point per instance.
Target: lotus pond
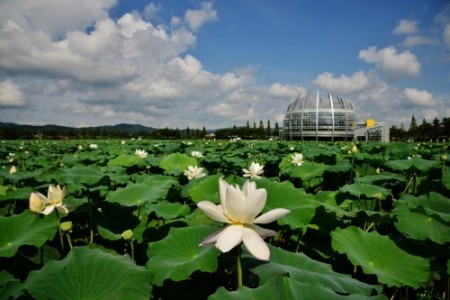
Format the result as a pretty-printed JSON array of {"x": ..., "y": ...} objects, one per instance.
[{"x": 109, "y": 219}]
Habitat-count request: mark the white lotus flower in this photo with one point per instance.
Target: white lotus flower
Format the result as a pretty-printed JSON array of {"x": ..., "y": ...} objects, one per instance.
[
  {"x": 13, "y": 170},
  {"x": 297, "y": 159},
  {"x": 45, "y": 205},
  {"x": 141, "y": 153},
  {"x": 194, "y": 172},
  {"x": 254, "y": 171},
  {"x": 93, "y": 146},
  {"x": 239, "y": 209},
  {"x": 196, "y": 154}
]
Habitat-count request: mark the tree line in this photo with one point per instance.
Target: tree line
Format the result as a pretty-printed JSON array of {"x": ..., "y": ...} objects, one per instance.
[{"x": 435, "y": 131}]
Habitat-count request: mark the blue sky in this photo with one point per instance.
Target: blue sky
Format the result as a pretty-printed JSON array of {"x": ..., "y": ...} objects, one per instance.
[{"x": 185, "y": 63}]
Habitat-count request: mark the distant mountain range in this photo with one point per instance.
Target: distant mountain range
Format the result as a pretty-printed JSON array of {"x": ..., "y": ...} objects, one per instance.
[{"x": 123, "y": 127}]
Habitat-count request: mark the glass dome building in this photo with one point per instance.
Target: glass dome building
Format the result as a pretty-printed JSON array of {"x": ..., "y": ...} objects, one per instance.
[{"x": 319, "y": 116}]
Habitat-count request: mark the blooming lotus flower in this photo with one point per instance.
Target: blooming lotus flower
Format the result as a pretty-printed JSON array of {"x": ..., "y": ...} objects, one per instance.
[
  {"x": 141, "y": 153},
  {"x": 196, "y": 154},
  {"x": 239, "y": 209},
  {"x": 13, "y": 170},
  {"x": 254, "y": 171},
  {"x": 194, "y": 172},
  {"x": 297, "y": 159},
  {"x": 45, "y": 205}
]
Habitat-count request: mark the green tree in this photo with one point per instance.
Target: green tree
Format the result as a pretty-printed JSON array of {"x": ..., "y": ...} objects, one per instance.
[{"x": 268, "y": 129}]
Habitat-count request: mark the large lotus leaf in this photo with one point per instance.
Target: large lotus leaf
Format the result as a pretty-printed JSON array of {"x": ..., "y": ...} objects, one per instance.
[
  {"x": 285, "y": 195},
  {"x": 399, "y": 150},
  {"x": 177, "y": 161},
  {"x": 368, "y": 190},
  {"x": 420, "y": 225},
  {"x": 432, "y": 204},
  {"x": 90, "y": 274},
  {"x": 385, "y": 177},
  {"x": 22, "y": 193},
  {"x": 446, "y": 178},
  {"x": 284, "y": 287},
  {"x": 178, "y": 255},
  {"x": 207, "y": 189},
  {"x": 10, "y": 287},
  {"x": 154, "y": 188},
  {"x": 87, "y": 175},
  {"x": 166, "y": 210},
  {"x": 308, "y": 170},
  {"x": 379, "y": 255},
  {"x": 125, "y": 160},
  {"x": 414, "y": 164},
  {"x": 25, "y": 229},
  {"x": 301, "y": 268},
  {"x": 343, "y": 165}
]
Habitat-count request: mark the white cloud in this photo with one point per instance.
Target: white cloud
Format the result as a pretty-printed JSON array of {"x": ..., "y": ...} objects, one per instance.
[
  {"x": 10, "y": 94},
  {"x": 417, "y": 40},
  {"x": 405, "y": 26},
  {"x": 196, "y": 18},
  {"x": 420, "y": 98},
  {"x": 391, "y": 62},
  {"x": 284, "y": 91},
  {"x": 343, "y": 85},
  {"x": 55, "y": 17},
  {"x": 447, "y": 35}
]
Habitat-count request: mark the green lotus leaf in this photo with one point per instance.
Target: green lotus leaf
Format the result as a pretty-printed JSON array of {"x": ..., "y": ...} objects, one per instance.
[
  {"x": 207, "y": 189},
  {"x": 368, "y": 190},
  {"x": 166, "y": 210},
  {"x": 107, "y": 234},
  {"x": 87, "y": 175},
  {"x": 22, "y": 193},
  {"x": 422, "y": 223},
  {"x": 340, "y": 166},
  {"x": 285, "y": 195},
  {"x": 446, "y": 178},
  {"x": 304, "y": 269},
  {"x": 90, "y": 274},
  {"x": 379, "y": 255},
  {"x": 25, "y": 229},
  {"x": 125, "y": 160},
  {"x": 399, "y": 150},
  {"x": 152, "y": 189},
  {"x": 284, "y": 287},
  {"x": 10, "y": 287},
  {"x": 414, "y": 164},
  {"x": 432, "y": 204},
  {"x": 178, "y": 255},
  {"x": 308, "y": 170},
  {"x": 177, "y": 161},
  {"x": 381, "y": 179}
]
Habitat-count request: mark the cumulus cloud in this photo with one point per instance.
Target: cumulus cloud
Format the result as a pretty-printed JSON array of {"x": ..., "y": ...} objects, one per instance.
[
  {"x": 417, "y": 40},
  {"x": 420, "y": 98},
  {"x": 196, "y": 18},
  {"x": 394, "y": 64},
  {"x": 447, "y": 35},
  {"x": 10, "y": 94},
  {"x": 284, "y": 91},
  {"x": 343, "y": 85},
  {"x": 405, "y": 26}
]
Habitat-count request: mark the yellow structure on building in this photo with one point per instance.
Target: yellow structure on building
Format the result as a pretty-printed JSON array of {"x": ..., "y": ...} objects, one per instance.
[{"x": 370, "y": 123}]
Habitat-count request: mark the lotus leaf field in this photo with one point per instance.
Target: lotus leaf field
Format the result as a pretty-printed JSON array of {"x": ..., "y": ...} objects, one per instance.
[{"x": 366, "y": 220}]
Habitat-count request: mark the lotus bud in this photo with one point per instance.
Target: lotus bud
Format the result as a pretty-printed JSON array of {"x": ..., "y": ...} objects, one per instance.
[
  {"x": 66, "y": 226},
  {"x": 127, "y": 234},
  {"x": 443, "y": 157}
]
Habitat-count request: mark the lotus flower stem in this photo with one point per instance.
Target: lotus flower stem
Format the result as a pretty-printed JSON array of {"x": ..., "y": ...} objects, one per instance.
[
  {"x": 69, "y": 240},
  {"x": 239, "y": 269},
  {"x": 132, "y": 249},
  {"x": 60, "y": 232}
]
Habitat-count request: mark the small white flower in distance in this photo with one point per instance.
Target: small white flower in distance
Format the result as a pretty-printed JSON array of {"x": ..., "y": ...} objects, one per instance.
[
  {"x": 254, "y": 171},
  {"x": 194, "y": 172},
  {"x": 141, "y": 153},
  {"x": 196, "y": 154},
  {"x": 297, "y": 159}
]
